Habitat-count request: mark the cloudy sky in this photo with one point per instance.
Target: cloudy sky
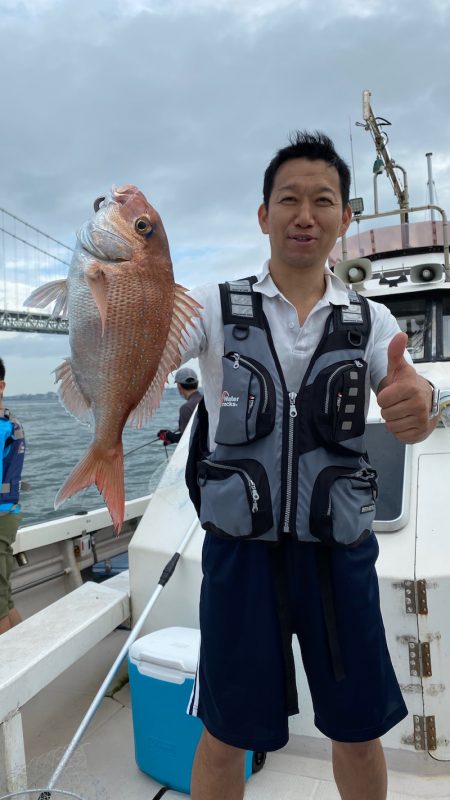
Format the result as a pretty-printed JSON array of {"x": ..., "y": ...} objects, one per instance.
[{"x": 189, "y": 100}]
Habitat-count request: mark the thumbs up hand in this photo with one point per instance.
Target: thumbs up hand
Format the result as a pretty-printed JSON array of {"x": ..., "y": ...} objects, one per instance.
[{"x": 404, "y": 396}]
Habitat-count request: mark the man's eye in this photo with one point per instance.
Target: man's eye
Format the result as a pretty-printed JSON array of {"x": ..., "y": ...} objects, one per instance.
[
  {"x": 287, "y": 199},
  {"x": 325, "y": 201}
]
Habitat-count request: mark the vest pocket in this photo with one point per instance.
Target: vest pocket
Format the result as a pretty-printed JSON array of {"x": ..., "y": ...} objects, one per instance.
[
  {"x": 247, "y": 411},
  {"x": 235, "y": 498},
  {"x": 343, "y": 505},
  {"x": 341, "y": 391}
]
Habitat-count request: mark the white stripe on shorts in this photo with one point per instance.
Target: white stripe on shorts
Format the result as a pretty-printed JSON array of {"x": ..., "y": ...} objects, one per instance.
[{"x": 192, "y": 708}]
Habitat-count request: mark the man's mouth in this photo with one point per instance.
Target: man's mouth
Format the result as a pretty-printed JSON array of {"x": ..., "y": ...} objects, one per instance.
[{"x": 302, "y": 238}]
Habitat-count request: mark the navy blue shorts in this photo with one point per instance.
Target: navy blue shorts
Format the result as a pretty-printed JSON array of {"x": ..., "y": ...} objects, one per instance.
[{"x": 240, "y": 689}]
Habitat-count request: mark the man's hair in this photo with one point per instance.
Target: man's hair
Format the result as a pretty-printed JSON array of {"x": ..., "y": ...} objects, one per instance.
[
  {"x": 191, "y": 385},
  {"x": 2, "y": 370},
  {"x": 313, "y": 146}
]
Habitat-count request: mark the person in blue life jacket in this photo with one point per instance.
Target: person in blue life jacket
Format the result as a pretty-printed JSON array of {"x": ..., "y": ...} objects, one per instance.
[
  {"x": 186, "y": 380},
  {"x": 13, "y": 449},
  {"x": 280, "y": 477}
]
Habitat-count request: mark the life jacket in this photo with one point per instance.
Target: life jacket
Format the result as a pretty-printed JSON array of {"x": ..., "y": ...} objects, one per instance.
[
  {"x": 287, "y": 464},
  {"x": 12, "y": 444}
]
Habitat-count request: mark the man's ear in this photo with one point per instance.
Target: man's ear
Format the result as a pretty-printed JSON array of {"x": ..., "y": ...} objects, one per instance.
[
  {"x": 346, "y": 219},
  {"x": 2, "y": 386},
  {"x": 262, "y": 218}
]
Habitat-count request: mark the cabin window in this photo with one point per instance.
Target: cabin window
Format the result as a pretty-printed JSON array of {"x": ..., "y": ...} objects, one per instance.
[
  {"x": 413, "y": 315},
  {"x": 389, "y": 457}
]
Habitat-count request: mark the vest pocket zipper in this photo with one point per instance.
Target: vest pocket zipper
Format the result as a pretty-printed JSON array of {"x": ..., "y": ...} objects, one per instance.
[
  {"x": 343, "y": 505},
  {"x": 248, "y": 401},
  {"x": 238, "y": 359},
  {"x": 235, "y": 498},
  {"x": 251, "y": 485},
  {"x": 332, "y": 379}
]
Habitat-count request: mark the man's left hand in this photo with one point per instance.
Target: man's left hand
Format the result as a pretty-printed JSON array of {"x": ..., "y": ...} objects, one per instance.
[{"x": 405, "y": 397}]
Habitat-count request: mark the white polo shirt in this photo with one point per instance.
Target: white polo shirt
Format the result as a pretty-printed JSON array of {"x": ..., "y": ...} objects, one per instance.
[{"x": 295, "y": 344}]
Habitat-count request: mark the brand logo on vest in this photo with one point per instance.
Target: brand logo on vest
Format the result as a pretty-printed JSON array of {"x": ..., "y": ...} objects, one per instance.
[{"x": 229, "y": 399}]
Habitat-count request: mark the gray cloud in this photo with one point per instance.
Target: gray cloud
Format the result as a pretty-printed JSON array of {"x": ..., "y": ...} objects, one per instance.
[{"x": 189, "y": 100}]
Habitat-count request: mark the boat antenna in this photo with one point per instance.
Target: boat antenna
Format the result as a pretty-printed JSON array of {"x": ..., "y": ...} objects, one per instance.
[
  {"x": 352, "y": 154},
  {"x": 430, "y": 185},
  {"x": 375, "y": 125}
]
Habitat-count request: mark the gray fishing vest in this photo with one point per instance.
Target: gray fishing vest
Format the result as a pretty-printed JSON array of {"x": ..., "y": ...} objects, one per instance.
[{"x": 290, "y": 464}]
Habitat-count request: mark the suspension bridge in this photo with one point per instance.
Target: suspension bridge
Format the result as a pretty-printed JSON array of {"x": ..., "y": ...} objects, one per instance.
[{"x": 28, "y": 259}]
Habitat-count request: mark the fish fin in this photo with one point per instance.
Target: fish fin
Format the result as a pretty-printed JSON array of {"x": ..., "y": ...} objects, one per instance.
[
  {"x": 46, "y": 294},
  {"x": 98, "y": 285},
  {"x": 70, "y": 393},
  {"x": 104, "y": 467},
  {"x": 185, "y": 310}
]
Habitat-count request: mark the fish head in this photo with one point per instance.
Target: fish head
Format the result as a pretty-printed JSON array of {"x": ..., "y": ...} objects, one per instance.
[{"x": 125, "y": 227}]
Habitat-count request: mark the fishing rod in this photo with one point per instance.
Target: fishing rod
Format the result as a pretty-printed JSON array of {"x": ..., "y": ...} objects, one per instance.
[{"x": 152, "y": 441}]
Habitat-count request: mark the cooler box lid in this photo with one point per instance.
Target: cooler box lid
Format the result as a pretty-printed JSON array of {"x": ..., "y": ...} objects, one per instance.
[{"x": 168, "y": 654}]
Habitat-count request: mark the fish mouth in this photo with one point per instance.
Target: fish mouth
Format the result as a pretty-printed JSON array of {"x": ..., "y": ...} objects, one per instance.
[{"x": 103, "y": 244}]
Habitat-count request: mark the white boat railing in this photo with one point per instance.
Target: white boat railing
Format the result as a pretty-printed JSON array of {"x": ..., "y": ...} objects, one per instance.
[
  {"x": 30, "y": 537},
  {"x": 42, "y": 647}
]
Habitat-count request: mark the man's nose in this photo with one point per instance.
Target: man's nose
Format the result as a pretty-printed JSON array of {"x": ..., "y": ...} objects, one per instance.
[{"x": 304, "y": 216}]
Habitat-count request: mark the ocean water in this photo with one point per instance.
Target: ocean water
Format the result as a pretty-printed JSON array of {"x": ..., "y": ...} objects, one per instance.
[{"x": 55, "y": 441}]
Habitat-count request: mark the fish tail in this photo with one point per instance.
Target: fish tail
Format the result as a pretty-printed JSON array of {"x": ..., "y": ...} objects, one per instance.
[{"x": 104, "y": 467}]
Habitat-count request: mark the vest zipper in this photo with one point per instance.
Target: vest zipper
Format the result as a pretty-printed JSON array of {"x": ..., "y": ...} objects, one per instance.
[
  {"x": 292, "y": 416},
  {"x": 343, "y": 368},
  {"x": 251, "y": 484},
  {"x": 237, "y": 359}
]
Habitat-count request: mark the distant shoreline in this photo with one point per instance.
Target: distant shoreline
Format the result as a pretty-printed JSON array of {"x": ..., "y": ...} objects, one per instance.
[
  {"x": 40, "y": 398},
  {"x": 48, "y": 397}
]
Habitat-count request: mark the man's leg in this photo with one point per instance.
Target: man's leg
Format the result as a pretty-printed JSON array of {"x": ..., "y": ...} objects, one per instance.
[
  {"x": 218, "y": 771},
  {"x": 360, "y": 770}
]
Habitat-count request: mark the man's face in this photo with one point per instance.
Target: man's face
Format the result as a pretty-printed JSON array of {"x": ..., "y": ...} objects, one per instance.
[{"x": 305, "y": 214}]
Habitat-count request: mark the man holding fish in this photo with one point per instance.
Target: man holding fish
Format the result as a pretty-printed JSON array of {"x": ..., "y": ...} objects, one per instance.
[
  {"x": 285, "y": 490},
  {"x": 286, "y": 494}
]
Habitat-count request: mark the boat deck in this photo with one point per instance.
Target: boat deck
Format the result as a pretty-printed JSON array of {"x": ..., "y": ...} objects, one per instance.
[{"x": 104, "y": 766}]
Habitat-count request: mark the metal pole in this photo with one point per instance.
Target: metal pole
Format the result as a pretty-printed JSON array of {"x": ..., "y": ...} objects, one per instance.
[
  {"x": 430, "y": 184},
  {"x": 375, "y": 192}
]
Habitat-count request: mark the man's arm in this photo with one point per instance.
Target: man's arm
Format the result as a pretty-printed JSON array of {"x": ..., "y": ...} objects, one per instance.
[{"x": 405, "y": 398}]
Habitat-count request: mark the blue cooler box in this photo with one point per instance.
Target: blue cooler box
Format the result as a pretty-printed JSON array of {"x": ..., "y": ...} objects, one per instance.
[{"x": 162, "y": 669}]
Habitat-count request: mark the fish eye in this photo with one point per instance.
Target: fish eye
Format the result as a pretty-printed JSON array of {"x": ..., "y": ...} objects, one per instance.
[
  {"x": 143, "y": 225},
  {"x": 98, "y": 203}
]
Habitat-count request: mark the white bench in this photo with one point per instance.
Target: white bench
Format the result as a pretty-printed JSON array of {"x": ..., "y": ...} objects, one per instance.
[{"x": 42, "y": 647}]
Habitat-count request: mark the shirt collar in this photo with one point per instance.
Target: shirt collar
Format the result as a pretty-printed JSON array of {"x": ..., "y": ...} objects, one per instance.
[{"x": 335, "y": 293}]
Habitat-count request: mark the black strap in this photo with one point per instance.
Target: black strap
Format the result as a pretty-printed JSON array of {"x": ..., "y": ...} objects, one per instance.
[
  {"x": 284, "y": 616},
  {"x": 160, "y": 793},
  {"x": 356, "y": 329},
  {"x": 198, "y": 449},
  {"x": 241, "y": 306},
  {"x": 326, "y": 590}
]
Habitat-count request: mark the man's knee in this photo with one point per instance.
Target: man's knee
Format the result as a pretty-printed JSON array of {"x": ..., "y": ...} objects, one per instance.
[
  {"x": 361, "y": 752},
  {"x": 220, "y": 755}
]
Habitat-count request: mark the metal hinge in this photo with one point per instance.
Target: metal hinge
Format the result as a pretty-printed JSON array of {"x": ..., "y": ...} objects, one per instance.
[
  {"x": 424, "y": 733},
  {"x": 419, "y": 659},
  {"x": 416, "y": 597}
]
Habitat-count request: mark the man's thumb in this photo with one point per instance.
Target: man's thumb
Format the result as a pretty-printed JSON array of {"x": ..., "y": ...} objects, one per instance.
[{"x": 395, "y": 354}]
